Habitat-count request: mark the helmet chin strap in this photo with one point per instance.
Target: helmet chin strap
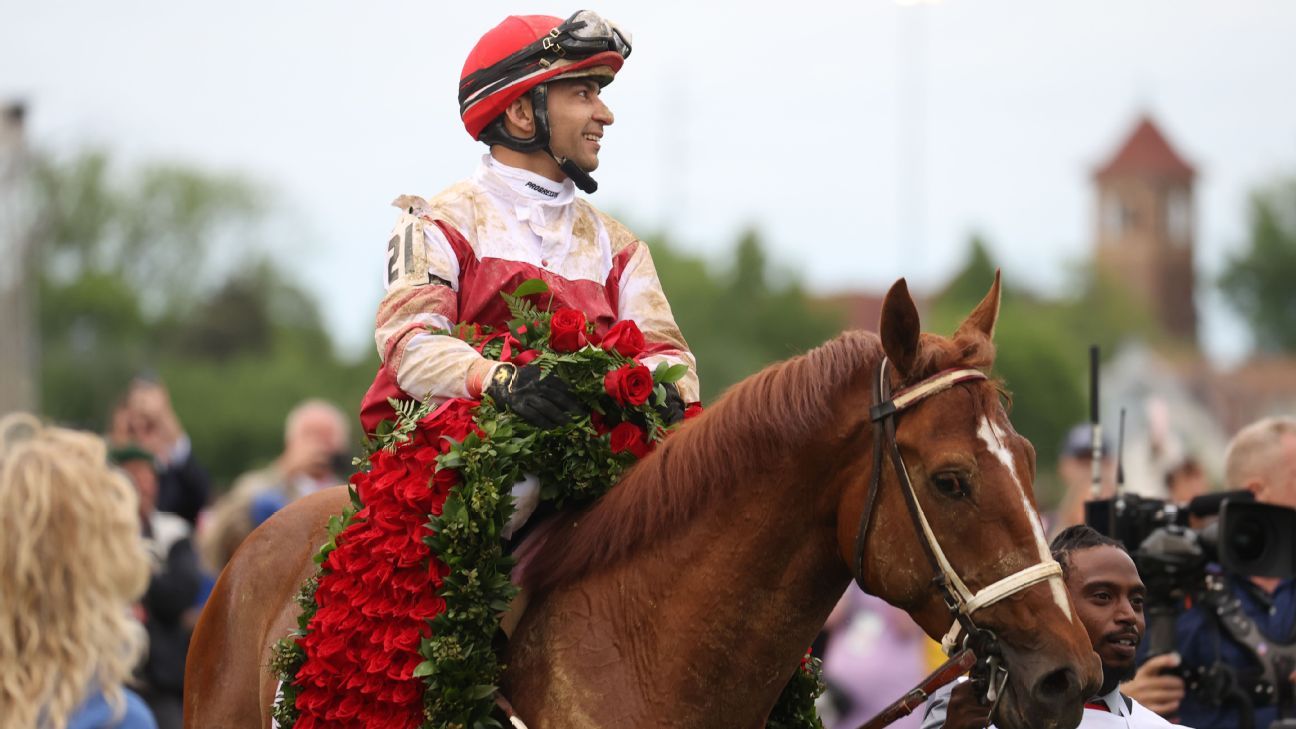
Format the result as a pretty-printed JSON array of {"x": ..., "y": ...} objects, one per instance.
[{"x": 580, "y": 177}]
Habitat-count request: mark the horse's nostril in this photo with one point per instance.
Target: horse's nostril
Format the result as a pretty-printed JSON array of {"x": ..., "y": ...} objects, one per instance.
[{"x": 1057, "y": 684}]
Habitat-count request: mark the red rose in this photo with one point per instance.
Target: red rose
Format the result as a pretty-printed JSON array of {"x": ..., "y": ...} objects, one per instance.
[
  {"x": 411, "y": 490},
  {"x": 629, "y": 437},
  {"x": 453, "y": 420},
  {"x": 599, "y": 423},
  {"x": 567, "y": 330},
  {"x": 444, "y": 480},
  {"x": 629, "y": 384},
  {"x": 424, "y": 435},
  {"x": 624, "y": 337},
  {"x": 692, "y": 411}
]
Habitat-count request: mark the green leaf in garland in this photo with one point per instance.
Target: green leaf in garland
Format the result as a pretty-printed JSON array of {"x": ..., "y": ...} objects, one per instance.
[
  {"x": 335, "y": 525},
  {"x": 531, "y": 286},
  {"x": 482, "y": 692},
  {"x": 671, "y": 373}
]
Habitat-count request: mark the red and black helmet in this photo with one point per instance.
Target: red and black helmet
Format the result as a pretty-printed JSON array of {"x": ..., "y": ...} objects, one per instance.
[{"x": 525, "y": 51}]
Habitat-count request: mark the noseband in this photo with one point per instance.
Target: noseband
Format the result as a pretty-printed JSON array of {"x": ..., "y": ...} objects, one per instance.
[{"x": 962, "y": 602}]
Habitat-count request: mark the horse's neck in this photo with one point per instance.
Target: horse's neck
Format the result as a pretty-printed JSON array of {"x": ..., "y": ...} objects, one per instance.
[
  {"x": 763, "y": 562},
  {"x": 735, "y": 598},
  {"x": 749, "y": 581}
]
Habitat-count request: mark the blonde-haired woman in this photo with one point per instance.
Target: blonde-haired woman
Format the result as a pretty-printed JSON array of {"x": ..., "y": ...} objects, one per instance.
[{"x": 72, "y": 563}]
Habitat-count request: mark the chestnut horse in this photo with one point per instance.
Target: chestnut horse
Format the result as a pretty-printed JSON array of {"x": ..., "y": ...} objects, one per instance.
[{"x": 687, "y": 595}]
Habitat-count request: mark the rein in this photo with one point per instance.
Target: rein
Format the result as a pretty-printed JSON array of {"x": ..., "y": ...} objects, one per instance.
[{"x": 962, "y": 601}]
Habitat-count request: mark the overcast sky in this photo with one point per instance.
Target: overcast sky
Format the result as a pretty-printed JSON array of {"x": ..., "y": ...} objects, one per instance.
[{"x": 866, "y": 139}]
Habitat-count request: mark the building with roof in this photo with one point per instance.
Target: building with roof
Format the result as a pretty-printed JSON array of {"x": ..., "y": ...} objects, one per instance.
[{"x": 1144, "y": 235}]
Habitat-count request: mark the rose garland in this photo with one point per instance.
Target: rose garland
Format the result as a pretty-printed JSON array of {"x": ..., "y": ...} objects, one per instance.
[{"x": 374, "y": 646}]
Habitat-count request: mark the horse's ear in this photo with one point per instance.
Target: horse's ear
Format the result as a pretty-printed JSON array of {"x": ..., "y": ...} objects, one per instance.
[
  {"x": 900, "y": 327},
  {"x": 983, "y": 317}
]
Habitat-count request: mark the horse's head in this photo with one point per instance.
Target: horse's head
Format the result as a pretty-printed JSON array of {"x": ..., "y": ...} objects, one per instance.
[{"x": 971, "y": 478}]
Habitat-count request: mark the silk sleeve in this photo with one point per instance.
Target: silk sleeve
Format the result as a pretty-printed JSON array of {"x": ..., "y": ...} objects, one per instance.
[{"x": 422, "y": 294}]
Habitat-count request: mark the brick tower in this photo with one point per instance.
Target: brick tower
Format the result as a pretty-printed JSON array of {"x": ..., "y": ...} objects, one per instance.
[{"x": 1144, "y": 236}]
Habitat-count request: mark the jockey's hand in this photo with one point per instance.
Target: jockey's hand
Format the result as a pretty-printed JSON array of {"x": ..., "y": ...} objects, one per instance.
[
  {"x": 671, "y": 411},
  {"x": 545, "y": 402},
  {"x": 965, "y": 710}
]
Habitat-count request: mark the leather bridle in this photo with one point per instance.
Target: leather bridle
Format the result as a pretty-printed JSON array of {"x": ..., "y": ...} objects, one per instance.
[{"x": 962, "y": 601}]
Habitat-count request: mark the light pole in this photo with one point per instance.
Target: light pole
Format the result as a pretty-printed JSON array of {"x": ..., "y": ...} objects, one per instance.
[
  {"x": 18, "y": 372},
  {"x": 911, "y": 133}
]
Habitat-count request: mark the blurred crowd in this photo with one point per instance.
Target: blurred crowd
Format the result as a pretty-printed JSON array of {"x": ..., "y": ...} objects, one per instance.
[{"x": 112, "y": 545}]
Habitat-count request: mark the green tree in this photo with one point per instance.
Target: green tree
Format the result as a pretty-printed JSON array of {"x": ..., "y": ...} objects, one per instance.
[
  {"x": 1258, "y": 280},
  {"x": 737, "y": 320},
  {"x": 155, "y": 228},
  {"x": 135, "y": 278}
]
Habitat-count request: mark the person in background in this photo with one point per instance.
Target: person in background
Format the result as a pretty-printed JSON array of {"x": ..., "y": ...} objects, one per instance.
[
  {"x": 874, "y": 654},
  {"x": 315, "y": 456},
  {"x": 1171, "y": 458},
  {"x": 72, "y": 564},
  {"x": 1075, "y": 471},
  {"x": 145, "y": 417},
  {"x": 1261, "y": 459},
  {"x": 168, "y": 608},
  {"x": 1186, "y": 481},
  {"x": 1108, "y": 596}
]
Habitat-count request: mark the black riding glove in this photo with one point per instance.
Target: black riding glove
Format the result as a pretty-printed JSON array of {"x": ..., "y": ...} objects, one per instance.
[
  {"x": 671, "y": 411},
  {"x": 545, "y": 402}
]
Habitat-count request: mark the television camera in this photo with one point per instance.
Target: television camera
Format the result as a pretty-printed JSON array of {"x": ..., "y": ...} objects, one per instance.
[{"x": 1233, "y": 536}]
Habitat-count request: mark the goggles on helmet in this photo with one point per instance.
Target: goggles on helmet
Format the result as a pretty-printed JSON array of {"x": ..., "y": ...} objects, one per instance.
[
  {"x": 582, "y": 35},
  {"x": 586, "y": 33}
]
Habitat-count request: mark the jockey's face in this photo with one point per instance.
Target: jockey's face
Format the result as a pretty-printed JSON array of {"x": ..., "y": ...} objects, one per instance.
[{"x": 577, "y": 116}]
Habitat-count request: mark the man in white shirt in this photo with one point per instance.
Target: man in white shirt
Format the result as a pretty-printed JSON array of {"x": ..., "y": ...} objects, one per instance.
[{"x": 1108, "y": 597}]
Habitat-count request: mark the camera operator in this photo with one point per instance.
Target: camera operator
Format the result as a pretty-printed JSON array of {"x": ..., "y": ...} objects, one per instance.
[
  {"x": 1260, "y": 459},
  {"x": 1108, "y": 596}
]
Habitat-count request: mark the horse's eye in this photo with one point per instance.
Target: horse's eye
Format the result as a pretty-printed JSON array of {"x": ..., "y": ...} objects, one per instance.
[{"x": 951, "y": 484}]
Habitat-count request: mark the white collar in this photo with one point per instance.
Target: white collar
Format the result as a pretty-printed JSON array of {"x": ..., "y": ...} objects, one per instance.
[
  {"x": 1114, "y": 701},
  {"x": 523, "y": 186}
]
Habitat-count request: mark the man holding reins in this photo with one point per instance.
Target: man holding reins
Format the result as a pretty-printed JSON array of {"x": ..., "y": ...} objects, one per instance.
[{"x": 1107, "y": 595}]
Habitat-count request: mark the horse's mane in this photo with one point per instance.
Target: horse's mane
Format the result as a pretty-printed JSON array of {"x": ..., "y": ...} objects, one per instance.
[{"x": 782, "y": 403}]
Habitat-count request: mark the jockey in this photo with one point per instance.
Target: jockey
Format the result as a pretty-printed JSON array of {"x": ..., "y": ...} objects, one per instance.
[{"x": 530, "y": 90}]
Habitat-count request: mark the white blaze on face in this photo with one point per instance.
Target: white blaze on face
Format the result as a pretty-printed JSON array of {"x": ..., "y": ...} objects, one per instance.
[{"x": 994, "y": 440}]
